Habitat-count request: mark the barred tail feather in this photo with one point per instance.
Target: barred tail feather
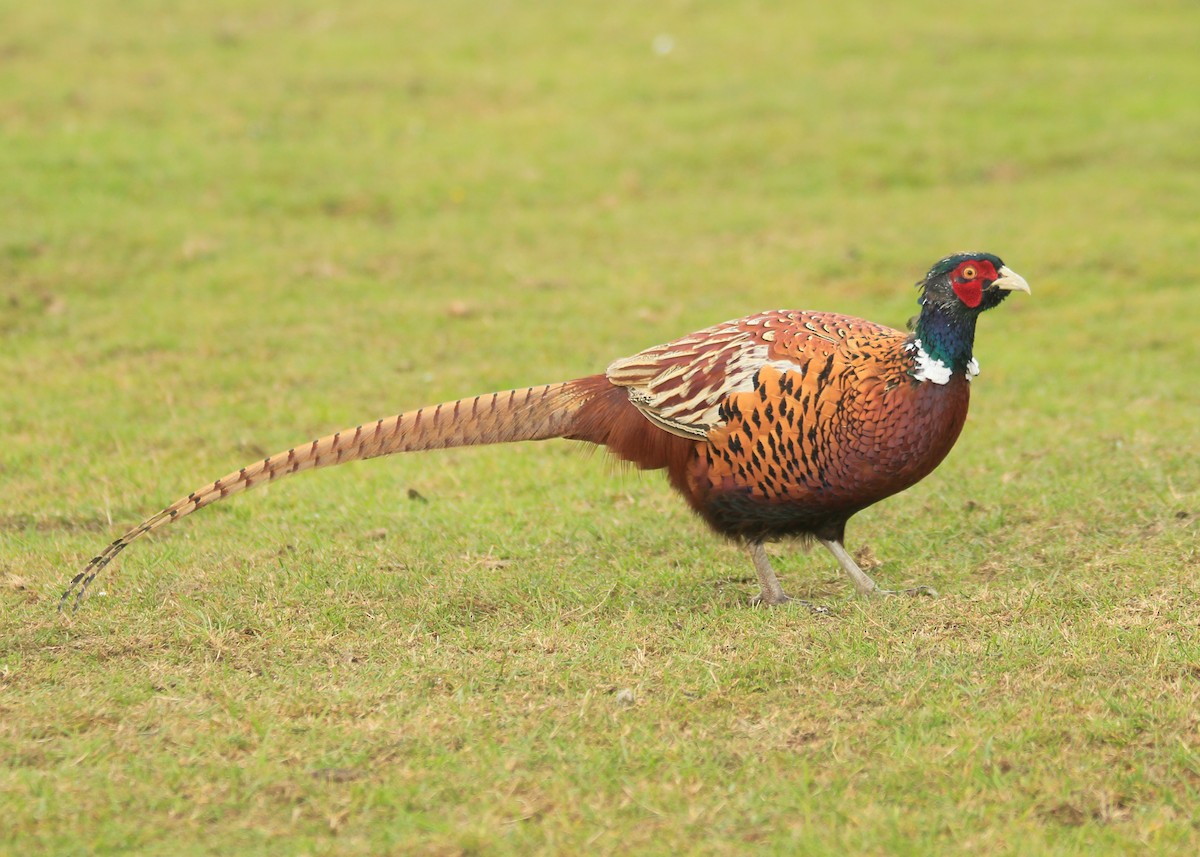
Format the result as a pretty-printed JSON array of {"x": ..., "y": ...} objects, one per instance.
[{"x": 536, "y": 413}]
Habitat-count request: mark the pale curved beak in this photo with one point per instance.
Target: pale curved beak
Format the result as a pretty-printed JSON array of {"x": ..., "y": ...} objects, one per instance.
[{"x": 1011, "y": 281}]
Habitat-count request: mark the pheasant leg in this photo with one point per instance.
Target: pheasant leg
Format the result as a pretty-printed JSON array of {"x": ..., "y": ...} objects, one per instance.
[
  {"x": 862, "y": 581},
  {"x": 772, "y": 593}
]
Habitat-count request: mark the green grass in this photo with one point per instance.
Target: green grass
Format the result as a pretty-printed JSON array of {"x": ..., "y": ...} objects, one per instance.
[{"x": 231, "y": 226}]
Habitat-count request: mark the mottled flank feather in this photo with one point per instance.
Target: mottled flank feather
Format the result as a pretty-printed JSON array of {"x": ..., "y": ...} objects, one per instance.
[{"x": 778, "y": 424}]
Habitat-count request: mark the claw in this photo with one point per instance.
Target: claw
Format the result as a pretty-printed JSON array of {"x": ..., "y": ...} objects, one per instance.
[
  {"x": 914, "y": 592},
  {"x": 815, "y": 609}
]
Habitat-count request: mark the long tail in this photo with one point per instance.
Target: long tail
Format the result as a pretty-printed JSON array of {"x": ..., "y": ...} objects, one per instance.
[{"x": 536, "y": 413}]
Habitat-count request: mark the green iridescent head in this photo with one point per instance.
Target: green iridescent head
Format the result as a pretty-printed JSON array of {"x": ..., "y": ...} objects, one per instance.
[{"x": 969, "y": 283}]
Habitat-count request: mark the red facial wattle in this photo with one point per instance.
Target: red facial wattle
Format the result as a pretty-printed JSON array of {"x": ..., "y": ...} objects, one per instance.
[
  {"x": 968, "y": 280},
  {"x": 970, "y": 293}
]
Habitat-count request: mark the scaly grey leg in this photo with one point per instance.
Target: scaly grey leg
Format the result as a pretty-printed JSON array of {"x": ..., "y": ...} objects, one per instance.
[
  {"x": 862, "y": 581},
  {"x": 772, "y": 594}
]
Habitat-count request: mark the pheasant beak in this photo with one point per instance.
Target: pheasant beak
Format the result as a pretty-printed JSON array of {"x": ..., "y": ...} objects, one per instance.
[{"x": 1010, "y": 280}]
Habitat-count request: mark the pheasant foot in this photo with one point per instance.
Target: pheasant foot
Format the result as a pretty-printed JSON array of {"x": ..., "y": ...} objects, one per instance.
[
  {"x": 772, "y": 594},
  {"x": 815, "y": 609},
  {"x": 914, "y": 592}
]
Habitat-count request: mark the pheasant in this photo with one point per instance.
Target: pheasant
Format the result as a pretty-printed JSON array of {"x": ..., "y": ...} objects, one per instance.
[{"x": 781, "y": 424}]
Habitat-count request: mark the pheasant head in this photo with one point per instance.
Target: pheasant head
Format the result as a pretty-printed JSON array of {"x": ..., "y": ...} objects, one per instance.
[
  {"x": 969, "y": 283},
  {"x": 953, "y": 294}
]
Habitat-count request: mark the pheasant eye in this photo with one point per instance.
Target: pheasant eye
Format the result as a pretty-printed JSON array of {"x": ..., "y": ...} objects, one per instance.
[{"x": 969, "y": 272}]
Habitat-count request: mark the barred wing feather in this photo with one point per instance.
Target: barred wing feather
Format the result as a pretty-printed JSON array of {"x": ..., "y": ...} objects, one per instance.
[{"x": 680, "y": 385}]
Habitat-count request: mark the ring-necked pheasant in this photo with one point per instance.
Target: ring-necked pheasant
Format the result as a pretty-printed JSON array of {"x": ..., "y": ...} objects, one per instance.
[{"x": 779, "y": 424}]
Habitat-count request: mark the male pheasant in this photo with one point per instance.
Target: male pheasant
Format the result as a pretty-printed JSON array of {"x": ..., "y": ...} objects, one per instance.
[{"x": 784, "y": 423}]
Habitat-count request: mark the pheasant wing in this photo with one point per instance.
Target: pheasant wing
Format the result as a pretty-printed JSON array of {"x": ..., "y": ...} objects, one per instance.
[{"x": 680, "y": 385}]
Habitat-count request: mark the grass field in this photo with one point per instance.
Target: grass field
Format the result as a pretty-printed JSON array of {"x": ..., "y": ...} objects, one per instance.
[{"x": 233, "y": 226}]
